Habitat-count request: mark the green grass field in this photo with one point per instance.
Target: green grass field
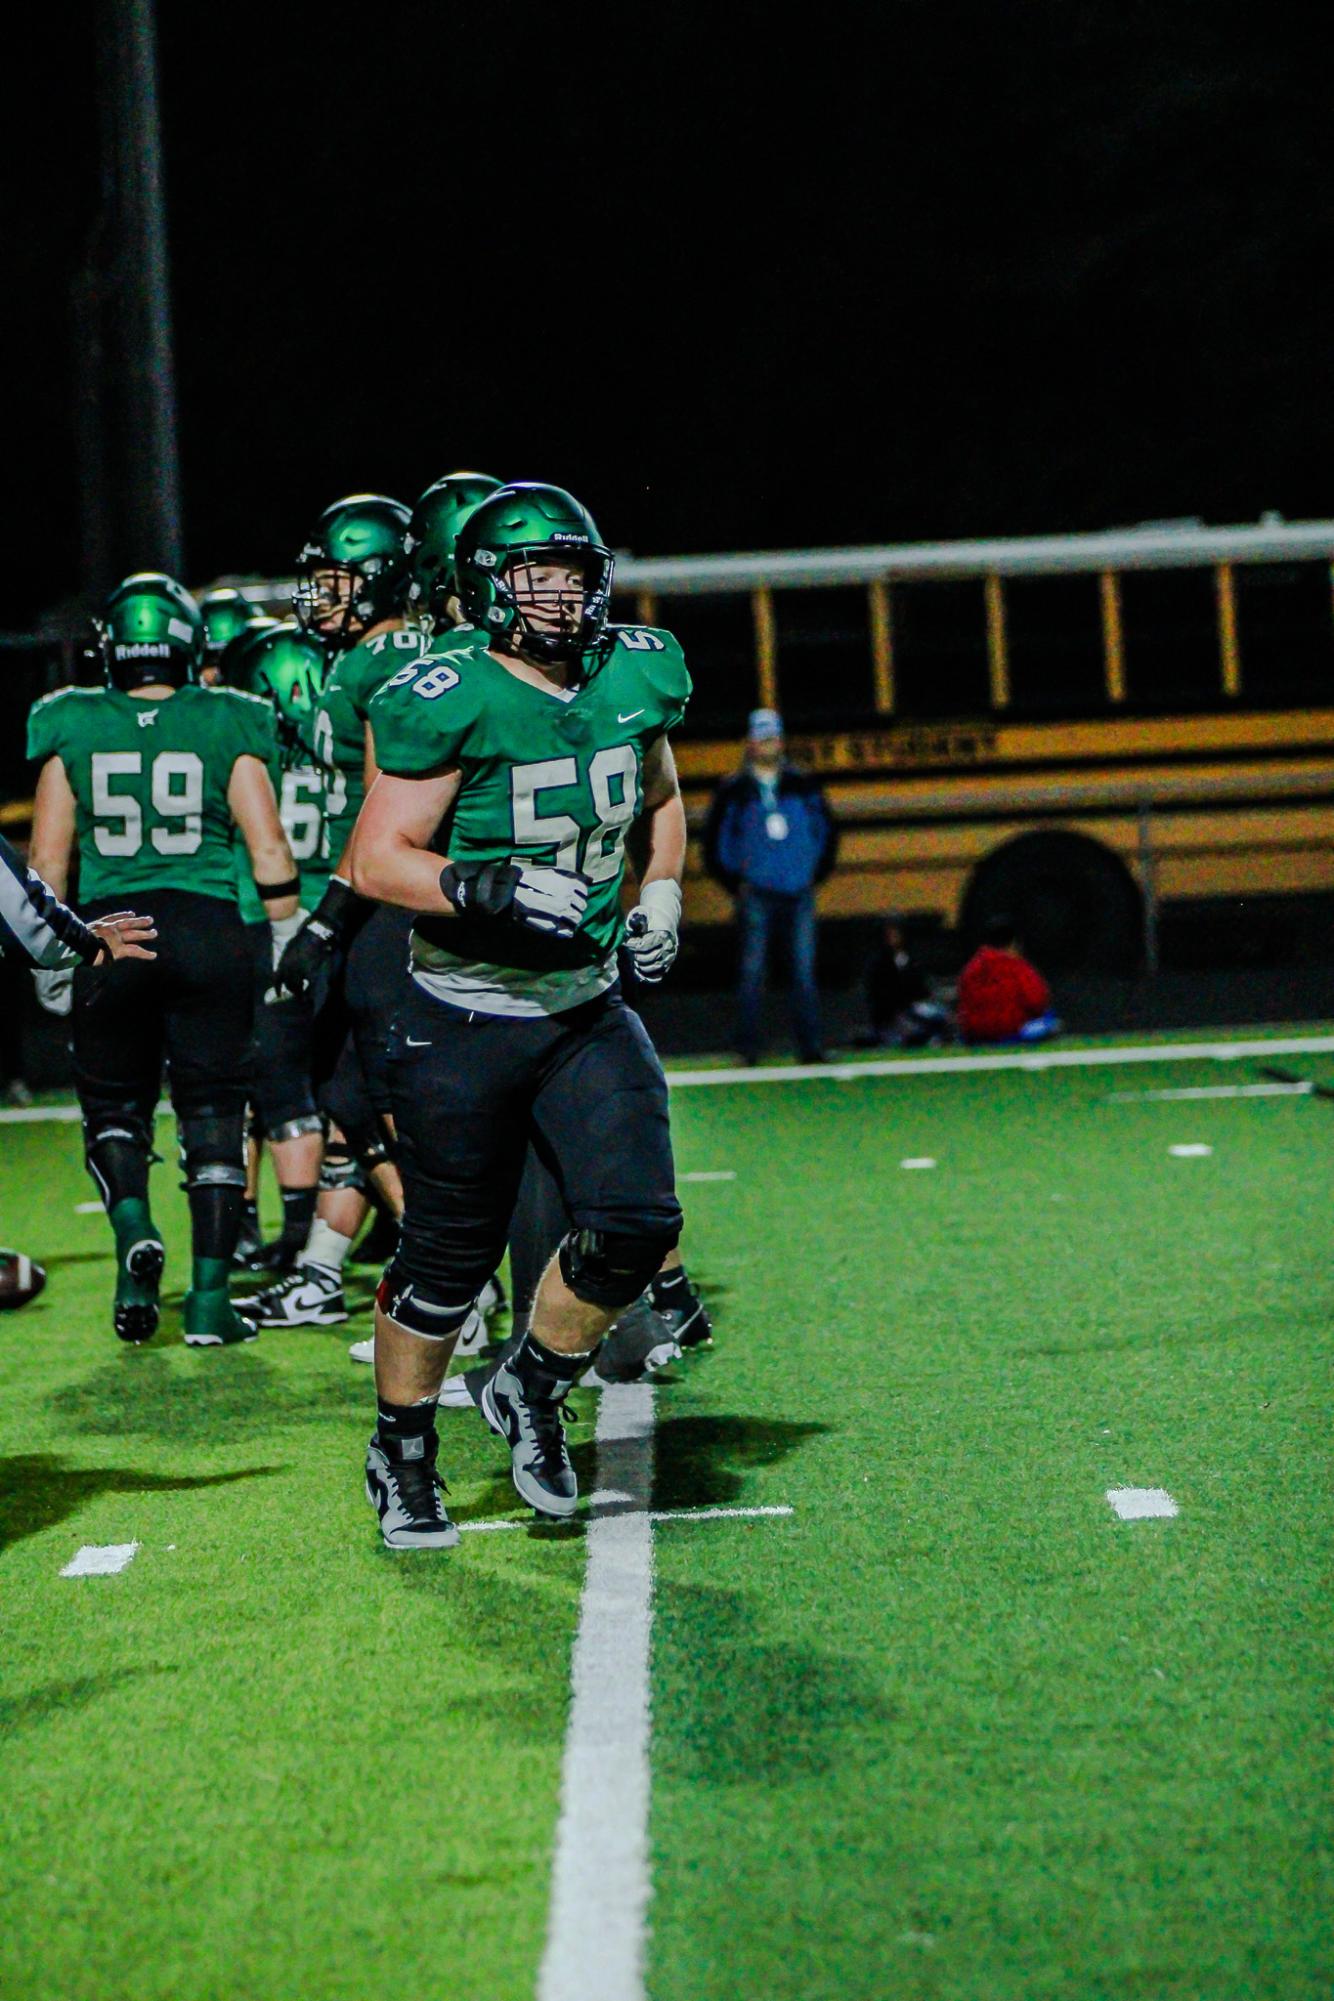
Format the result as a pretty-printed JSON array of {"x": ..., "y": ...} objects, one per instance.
[{"x": 950, "y": 1730}]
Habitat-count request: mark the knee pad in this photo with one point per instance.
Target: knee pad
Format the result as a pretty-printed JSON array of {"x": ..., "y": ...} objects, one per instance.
[
  {"x": 213, "y": 1149},
  {"x": 309, "y": 1122},
  {"x": 428, "y": 1311},
  {"x": 340, "y": 1169},
  {"x": 610, "y": 1269}
]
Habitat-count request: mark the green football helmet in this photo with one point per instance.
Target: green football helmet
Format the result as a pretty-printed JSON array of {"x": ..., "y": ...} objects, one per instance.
[
  {"x": 432, "y": 535},
  {"x": 522, "y": 525},
  {"x": 226, "y": 613},
  {"x": 358, "y": 541},
  {"x": 289, "y": 667},
  {"x": 151, "y": 630}
]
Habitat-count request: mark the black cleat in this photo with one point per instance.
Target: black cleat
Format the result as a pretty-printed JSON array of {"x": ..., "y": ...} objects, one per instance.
[
  {"x": 138, "y": 1276},
  {"x": 531, "y": 1426},
  {"x": 277, "y": 1257},
  {"x": 407, "y": 1495},
  {"x": 688, "y": 1323}
]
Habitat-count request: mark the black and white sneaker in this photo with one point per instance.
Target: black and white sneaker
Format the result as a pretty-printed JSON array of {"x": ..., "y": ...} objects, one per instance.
[
  {"x": 531, "y": 1426},
  {"x": 407, "y": 1495},
  {"x": 310, "y": 1296}
]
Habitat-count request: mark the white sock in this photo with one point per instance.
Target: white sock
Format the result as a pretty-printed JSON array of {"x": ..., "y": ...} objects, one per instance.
[{"x": 325, "y": 1246}]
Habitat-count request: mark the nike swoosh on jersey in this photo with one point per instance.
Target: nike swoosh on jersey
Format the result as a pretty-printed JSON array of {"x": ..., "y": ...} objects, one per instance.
[{"x": 630, "y": 718}]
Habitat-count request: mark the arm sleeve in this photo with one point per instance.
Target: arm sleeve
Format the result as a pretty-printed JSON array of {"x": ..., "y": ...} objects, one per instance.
[{"x": 35, "y": 922}]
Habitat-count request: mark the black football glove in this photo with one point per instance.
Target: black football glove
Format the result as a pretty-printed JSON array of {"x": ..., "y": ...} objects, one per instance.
[
  {"x": 305, "y": 956},
  {"x": 551, "y": 900}
]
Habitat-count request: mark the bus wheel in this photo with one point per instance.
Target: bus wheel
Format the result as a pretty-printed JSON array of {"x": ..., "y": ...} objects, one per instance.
[{"x": 1074, "y": 904}]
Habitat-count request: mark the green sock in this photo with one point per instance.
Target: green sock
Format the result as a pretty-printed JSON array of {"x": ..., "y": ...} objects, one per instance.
[
  {"x": 131, "y": 1222},
  {"x": 209, "y": 1274}
]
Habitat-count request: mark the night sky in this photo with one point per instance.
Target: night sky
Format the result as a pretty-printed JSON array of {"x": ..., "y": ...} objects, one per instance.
[{"x": 914, "y": 272}]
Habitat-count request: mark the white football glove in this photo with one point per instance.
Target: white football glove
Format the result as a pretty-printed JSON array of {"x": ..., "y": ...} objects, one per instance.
[
  {"x": 651, "y": 930},
  {"x": 545, "y": 899},
  {"x": 284, "y": 929},
  {"x": 551, "y": 900},
  {"x": 55, "y": 988}
]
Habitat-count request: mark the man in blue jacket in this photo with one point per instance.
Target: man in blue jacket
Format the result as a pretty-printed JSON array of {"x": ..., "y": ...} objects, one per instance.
[{"x": 770, "y": 838}]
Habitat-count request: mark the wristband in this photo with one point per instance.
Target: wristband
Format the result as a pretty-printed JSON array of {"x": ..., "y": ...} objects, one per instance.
[
  {"x": 271, "y": 891},
  {"x": 662, "y": 901}
]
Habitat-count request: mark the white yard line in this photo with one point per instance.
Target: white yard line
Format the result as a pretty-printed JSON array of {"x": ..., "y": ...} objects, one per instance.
[
  {"x": 600, "y": 1878},
  {"x": 1190, "y": 1150},
  {"x": 1211, "y": 1091},
  {"x": 1141, "y": 1504},
  {"x": 714, "y": 1174},
  {"x": 920, "y": 1160},
  {"x": 1050, "y": 1059},
  {"x": 101, "y": 1559},
  {"x": 909, "y": 1066}
]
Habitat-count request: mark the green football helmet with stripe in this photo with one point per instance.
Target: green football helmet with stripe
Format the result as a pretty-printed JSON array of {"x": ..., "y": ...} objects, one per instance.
[
  {"x": 289, "y": 667},
  {"x": 527, "y": 526},
  {"x": 151, "y": 630},
  {"x": 353, "y": 571},
  {"x": 433, "y": 534}
]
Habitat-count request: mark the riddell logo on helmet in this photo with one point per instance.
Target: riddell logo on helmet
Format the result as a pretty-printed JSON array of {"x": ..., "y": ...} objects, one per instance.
[
  {"x": 144, "y": 649},
  {"x": 568, "y": 535}
]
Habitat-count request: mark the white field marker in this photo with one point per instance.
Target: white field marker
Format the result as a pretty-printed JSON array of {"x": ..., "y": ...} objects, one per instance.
[
  {"x": 1212, "y": 1091},
  {"x": 1192, "y": 1150},
  {"x": 600, "y": 1878},
  {"x": 88, "y": 1208},
  {"x": 101, "y": 1559},
  {"x": 600, "y": 1884},
  {"x": 1141, "y": 1504},
  {"x": 907, "y": 1066},
  {"x": 657, "y": 1515},
  {"x": 966, "y": 1066},
  {"x": 918, "y": 1160},
  {"x": 718, "y": 1174}
]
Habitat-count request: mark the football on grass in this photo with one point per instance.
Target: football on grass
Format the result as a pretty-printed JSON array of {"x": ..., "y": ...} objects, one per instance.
[{"x": 20, "y": 1279}]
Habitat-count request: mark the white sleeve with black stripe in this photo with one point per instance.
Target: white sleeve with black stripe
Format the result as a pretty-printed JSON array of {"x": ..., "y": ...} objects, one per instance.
[{"x": 33, "y": 920}]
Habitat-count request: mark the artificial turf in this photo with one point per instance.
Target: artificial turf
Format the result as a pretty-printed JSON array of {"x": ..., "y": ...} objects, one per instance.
[{"x": 951, "y": 1730}]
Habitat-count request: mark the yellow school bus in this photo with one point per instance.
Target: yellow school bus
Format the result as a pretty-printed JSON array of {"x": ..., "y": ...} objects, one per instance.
[{"x": 1076, "y": 730}]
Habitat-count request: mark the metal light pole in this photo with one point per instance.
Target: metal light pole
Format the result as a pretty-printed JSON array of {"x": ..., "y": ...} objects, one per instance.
[{"x": 126, "y": 395}]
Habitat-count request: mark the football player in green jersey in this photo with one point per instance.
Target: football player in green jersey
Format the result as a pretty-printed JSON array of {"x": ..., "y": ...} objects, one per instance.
[
  {"x": 148, "y": 780},
  {"x": 370, "y": 951},
  {"x": 351, "y": 592},
  {"x": 288, "y": 668},
  {"x": 523, "y": 754}
]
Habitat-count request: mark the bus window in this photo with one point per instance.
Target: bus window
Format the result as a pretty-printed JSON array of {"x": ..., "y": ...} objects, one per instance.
[
  {"x": 1285, "y": 633},
  {"x": 824, "y": 656},
  {"x": 940, "y": 649},
  {"x": 1170, "y": 622},
  {"x": 717, "y": 633},
  {"x": 1054, "y": 628}
]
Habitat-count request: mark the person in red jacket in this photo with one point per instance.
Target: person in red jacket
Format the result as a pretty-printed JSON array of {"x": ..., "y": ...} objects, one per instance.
[{"x": 1002, "y": 998}]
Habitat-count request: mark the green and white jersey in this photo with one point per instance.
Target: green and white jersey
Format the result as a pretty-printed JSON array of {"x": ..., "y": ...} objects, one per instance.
[
  {"x": 550, "y": 778},
  {"x": 340, "y": 725},
  {"x": 301, "y": 787},
  {"x": 150, "y": 779}
]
